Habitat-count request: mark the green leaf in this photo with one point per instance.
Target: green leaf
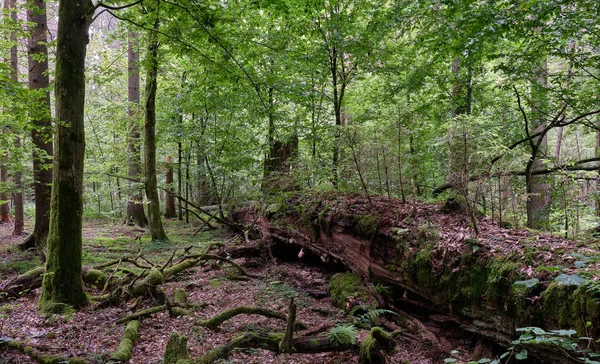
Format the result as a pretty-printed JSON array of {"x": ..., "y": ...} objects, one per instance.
[
  {"x": 564, "y": 332},
  {"x": 521, "y": 355},
  {"x": 449, "y": 360},
  {"x": 528, "y": 283},
  {"x": 570, "y": 279}
]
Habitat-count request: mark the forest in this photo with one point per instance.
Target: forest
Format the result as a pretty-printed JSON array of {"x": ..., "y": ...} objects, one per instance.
[{"x": 300, "y": 181}]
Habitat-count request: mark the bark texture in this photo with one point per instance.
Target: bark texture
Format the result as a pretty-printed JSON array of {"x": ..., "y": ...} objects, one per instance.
[
  {"x": 135, "y": 202},
  {"x": 538, "y": 197},
  {"x": 170, "y": 197},
  {"x": 154, "y": 219},
  {"x": 62, "y": 285},
  {"x": 41, "y": 132}
]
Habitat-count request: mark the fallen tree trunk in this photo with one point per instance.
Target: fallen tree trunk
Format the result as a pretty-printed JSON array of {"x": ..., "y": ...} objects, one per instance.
[{"x": 383, "y": 242}]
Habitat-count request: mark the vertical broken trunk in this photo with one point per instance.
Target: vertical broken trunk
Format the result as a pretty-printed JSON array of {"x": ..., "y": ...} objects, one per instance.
[
  {"x": 538, "y": 198},
  {"x": 62, "y": 285},
  {"x": 41, "y": 131},
  {"x": 154, "y": 219},
  {"x": 135, "y": 202},
  {"x": 170, "y": 198}
]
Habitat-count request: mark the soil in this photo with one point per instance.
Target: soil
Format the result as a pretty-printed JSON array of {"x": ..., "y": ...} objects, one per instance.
[{"x": 91, "y": 332}]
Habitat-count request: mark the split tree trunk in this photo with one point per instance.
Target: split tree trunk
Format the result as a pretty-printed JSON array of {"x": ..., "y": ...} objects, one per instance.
[{"x": 62, "y": 283}]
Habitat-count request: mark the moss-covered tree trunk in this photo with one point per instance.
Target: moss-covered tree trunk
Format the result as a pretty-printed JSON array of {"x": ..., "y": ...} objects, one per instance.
[
  {"x": 154, "y": 220},
  {"x": 41, "y": 132},
  {"x": 62, "y": 283},
  {"x": 135, "y": 206}
]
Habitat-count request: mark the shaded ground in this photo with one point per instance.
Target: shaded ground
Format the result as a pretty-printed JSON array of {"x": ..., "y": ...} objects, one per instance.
[{"x": 93, "y": 331}]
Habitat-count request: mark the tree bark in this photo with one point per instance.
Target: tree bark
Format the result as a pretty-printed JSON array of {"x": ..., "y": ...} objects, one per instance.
[
  {"x": 170, "y": 198},
  {"x": 62, "y": 283},
  {"x": 538, "y": 198},
  {"x": 18, "y": 193},
  {"x": 135, "y": 202},
  {"x": 154, "y": 219},
  {"x": 41, "y": 132}
]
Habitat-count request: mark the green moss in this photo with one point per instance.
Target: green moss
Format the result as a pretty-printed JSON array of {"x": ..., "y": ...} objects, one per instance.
[
  {"x": 176, "y": 350},
  {"x": 180, "y": 297},
  {"x": 366, "y": 225},
  {"x": 94, "y": 277},
  {"x": 571, "y": 306},
  {"x": 373, "y": 347},
  {"x": 128, "y": 339},
  {"x": 344, "y": 286}
]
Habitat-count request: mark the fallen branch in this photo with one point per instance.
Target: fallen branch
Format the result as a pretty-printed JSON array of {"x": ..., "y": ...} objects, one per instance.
[
  {"x": 129, "y": 338},
  {"x": 214, "y": 322},
  {"x": 36, "y": 355}
]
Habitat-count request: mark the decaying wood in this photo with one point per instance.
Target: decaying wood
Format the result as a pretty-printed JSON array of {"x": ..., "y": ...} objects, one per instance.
[
  {"x": 36, "y": 354},
  {"x": 332, "y": 233}
]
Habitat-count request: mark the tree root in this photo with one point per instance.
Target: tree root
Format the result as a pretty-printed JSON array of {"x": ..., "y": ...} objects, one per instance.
[
  {"x": 141, "y": 314},
  {"x": 129, "y": 338},
  {"x": 214, "y": 322},
  {"x": 36, "y": 355},
  {"x": 32, "y": 279}
]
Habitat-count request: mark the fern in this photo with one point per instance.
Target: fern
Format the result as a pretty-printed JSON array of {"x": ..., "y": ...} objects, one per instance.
[
  {"x": 342, "y": 335},
  {"x": 367, "y": 319}
]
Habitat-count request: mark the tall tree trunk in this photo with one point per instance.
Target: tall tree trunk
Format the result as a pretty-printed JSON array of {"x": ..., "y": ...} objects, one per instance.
[
  {"x": 4, "y": 199},
  {"x": 135, "y": 202},
  {"x": 170, "y": 198},
  {"x": 538, "y": 198},
  {"x": 41, "y": 132},
  {"x": 18, "y": 193},
  {"x": 62, "y": 283},
  {"x": 154, "y": 220}
]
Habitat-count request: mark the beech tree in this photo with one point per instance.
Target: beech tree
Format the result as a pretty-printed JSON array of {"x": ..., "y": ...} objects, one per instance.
[
  {"x": 154, "y": 219},
  {"x": 41, "y": 133},
  {"x": 62, "y": 283}
]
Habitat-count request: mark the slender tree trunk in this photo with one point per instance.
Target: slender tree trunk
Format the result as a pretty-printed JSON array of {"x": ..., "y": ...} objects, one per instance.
[
  {"x": 4, "y": 200},
  {"x": 538, "y": 198},
  {"x": 62, "y": 283},
  {"x": 18, "y": 193},
  {"x": 135, "y": 202},
  {"x": 41, "y": 132},
  {"x": 154, "y": 220},
  {"x": 170, "y": 198}
]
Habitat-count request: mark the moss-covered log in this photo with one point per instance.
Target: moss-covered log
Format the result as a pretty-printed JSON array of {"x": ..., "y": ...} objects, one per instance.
[
  {"x": 214, "y": 322},
  {"x": 269, "y": 341},
  {"x": 130, "y": 336},
  {"x": 37, "y": 355},
  {"x": 446, "y": 272}
]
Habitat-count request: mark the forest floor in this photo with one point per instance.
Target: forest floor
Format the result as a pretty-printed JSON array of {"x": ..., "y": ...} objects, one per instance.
[{"x": 92, "y": 332}]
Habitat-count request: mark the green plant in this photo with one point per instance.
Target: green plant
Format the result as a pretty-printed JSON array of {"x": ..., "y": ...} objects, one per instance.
[
  {"x": 367, "y": 319},
  {"x": 342, "y": 335}
]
